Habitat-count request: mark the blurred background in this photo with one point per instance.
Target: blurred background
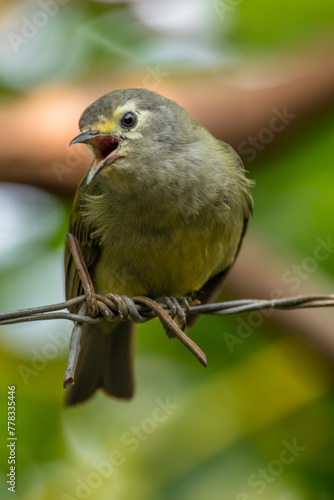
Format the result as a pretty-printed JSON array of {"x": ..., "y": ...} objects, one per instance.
[{"x": 258, "y": 422}]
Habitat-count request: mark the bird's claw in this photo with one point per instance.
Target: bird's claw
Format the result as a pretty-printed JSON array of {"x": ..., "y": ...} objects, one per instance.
[{"x": 179, "y": 307}]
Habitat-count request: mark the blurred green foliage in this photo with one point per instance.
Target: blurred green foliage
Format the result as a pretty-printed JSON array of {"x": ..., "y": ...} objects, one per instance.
[
  {"x": 281, "y": 24},
  {"x": 301, "y": 203},
  {"x": 224, "y": 434}
]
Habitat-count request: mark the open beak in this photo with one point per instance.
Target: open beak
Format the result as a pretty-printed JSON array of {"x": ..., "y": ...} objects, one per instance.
[{"x": 105, "y": 148}]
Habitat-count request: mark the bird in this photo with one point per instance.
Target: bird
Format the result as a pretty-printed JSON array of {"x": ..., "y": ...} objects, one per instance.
[{"x": 161, "y": 212}]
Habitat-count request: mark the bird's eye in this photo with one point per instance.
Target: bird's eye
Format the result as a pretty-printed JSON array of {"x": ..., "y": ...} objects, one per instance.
[{"x": 129, "y": 120}]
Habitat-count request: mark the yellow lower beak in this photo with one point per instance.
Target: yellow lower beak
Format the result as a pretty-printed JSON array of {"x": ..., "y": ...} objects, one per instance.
[{"x": 105, "y": 148}]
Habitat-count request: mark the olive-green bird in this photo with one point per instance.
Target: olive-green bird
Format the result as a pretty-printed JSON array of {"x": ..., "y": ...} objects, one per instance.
[{"x": 161, "y": 212}]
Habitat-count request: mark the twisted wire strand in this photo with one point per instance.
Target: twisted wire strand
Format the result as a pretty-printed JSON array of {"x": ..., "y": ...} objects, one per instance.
[
  {"x": 92, "y": 308},
  {"x": 112, "y": 305},
  {"x": 141, "y": 309}
]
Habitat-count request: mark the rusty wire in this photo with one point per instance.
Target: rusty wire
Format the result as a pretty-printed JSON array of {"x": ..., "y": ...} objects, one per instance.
[
  {"x": 130, "y": 308},
  {"x": 114, "y": 307},
  {"x": 93, "y": 307}
]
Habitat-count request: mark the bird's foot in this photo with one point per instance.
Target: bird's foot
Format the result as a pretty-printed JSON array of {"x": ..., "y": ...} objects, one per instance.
[{"x": 179, "y": 307}]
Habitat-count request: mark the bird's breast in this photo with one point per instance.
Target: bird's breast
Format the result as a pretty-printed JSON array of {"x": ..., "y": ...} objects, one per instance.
[{"x": 149, "y": 252}]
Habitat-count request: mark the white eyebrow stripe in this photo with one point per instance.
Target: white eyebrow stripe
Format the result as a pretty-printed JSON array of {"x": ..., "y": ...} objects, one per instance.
[{"x": 130, "y": 105}]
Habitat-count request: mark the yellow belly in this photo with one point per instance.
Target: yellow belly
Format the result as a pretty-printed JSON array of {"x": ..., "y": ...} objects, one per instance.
[{"x": 173, "y": 264}]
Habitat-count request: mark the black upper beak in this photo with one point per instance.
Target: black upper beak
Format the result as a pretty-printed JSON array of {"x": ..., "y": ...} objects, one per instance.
[
  {"x": 86, "y": 136},
  {"x": 105, "y": 147}
]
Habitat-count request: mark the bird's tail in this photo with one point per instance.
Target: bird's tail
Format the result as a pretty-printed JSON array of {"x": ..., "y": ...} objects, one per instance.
[{"x": 105, "y": 361}]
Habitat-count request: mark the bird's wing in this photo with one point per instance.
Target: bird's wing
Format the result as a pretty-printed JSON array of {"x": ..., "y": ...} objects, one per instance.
[
  {"x": 90, "y": 251},
  {"x": 212, "y": 289},
  {"x": 104, "y": 361}
]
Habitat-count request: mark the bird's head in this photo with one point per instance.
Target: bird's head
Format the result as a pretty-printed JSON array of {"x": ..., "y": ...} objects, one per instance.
[{"x": 129, "y": 122}]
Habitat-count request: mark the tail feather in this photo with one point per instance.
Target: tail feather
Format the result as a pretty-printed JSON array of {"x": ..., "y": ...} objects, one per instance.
[{"x": 105, "y": 361}]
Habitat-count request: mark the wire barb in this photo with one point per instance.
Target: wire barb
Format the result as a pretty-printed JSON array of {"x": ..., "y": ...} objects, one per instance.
[
  {"x": 74, "y": 349},
  {"x": 86, "y": 281},
  {"x": 171, "y": 326}
]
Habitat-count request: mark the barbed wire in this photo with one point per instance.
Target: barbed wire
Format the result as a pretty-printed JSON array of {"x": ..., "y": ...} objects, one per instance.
[
  {"x": 113, "y": 307},
  {"x": 92, "y": 308},
  {"x": 131, "y": 308}
]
